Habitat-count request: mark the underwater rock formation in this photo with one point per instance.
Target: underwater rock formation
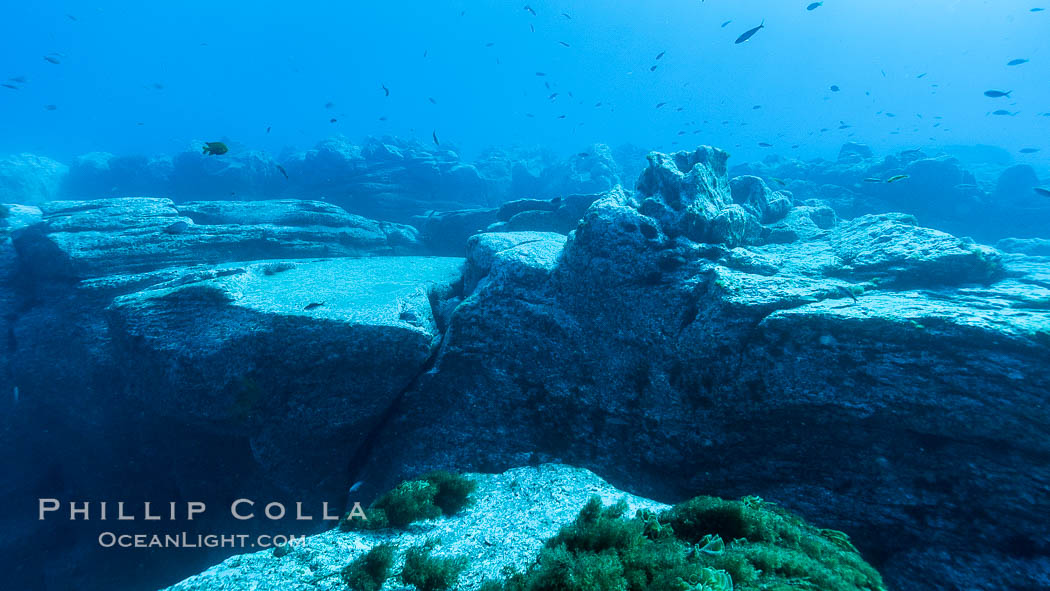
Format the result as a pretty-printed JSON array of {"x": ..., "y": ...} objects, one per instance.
[
  {"x": 938, "y": 190},
  {"x": 447, "y": 232},
  {"x": 145, "y": 331},
  {"x": 557, "y": 527},
  {"x": 83, "y": 239},
  {"x": 672, "y": 367},
  {"x": 29, "y": 179},
  {"x": 700, "y": 335}
]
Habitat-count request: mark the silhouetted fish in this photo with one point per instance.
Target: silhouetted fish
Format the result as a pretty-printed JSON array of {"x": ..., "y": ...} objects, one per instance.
[
  {"x": 1042, "y": 191},
  {"x": 814, "y": 5},
  {"x": 1017, "y": 62},
  {"x": 835, "y": 88},
  {"x": 750, "y": 33},
  {"x": 176, "y": 228},
  {"x": 531, "y": 11},
  {"x": 895, "y": 178},
  {"x": 997, "y": 93},
  {"x": 564, "y": 44},
  {"x": 660, "y": 55},
  {"x": 386, "y": 91},
  {"x": 435, "y": 136},
  {"x": 313, "y": 305},
  {"x": 52, "y": 60},
  {"x": 1029, "y": 150},
  {"x": 282, "y": 170},
  {"x": 726, "y": 23},
  {"x": 215, "y": 148}
]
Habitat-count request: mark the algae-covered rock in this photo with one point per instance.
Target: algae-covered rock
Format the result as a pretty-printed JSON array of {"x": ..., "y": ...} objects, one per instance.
[{"x": 557, "y": 527}]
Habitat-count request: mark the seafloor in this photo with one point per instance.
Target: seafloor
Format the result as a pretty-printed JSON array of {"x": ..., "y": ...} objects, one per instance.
[{"x": 872, "y": 356}]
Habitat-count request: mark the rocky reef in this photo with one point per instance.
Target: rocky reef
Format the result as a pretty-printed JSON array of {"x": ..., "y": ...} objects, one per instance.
[
  {"x": 941, "y": 190},
  {"x": 696, "y": 334}
]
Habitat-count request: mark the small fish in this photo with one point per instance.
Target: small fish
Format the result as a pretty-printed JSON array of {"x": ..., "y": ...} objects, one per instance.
[
  {"x": 658, "y": 105},
  {"x": 846, "y": 291},
  {"x": 567, "y": 15},
  {"x": 921, "y": 76},
  {"x": 215, "y": 148},
  {"x": 778, "y": 181},
  {"x": 435, "y": 136},
  {"x": 313, "y": 305},
  {"x": 11, "y": 86},
  {"x": 329, "y": 105},
  {"x": 660, "y": 55},
  {"x": 764, "y": 145},
  {"x": 835, "y": 88},
  {"x": 282, "y": 170},
  {"x": 490, "y": 44},
  {"x": 1042, "y": 191},
  {"x": 652, "y": 68},
  {"x": 386, "y": 91},
  {"x": 72, "y": 18},
  {"x": 52, "y": 60},
  {"x": 564, "y": 44},
  {"x": 997, "y": 93},
  {"x": 333, "y": 120},
  {"x": 530, "y": 10},
  {"x": 268, "y": 129},
  {"x": 814, "y": 5},
  {"x": 176, "y": 228},
  {"x": 583, "y": 155},
  {"x": 432, "y": 101},
  {"x": 726, "y": 23},
  {"x": 1029, "y": 150},
  {"x": 750, "y": 33},
  {"x": 18, "y": 79},
  {"x": 756, "y": 107},
  {"x": 872, "y": 180},
  {"x": 1004, "y": 112},
  {"x": 553, "y": 96},
  {"x": 541, "y": 74},
  {"x": 355, "y": 486},
  {"x": 1017, "y": 62},
  {"x": 1037, "y": 10},
  {"x": 51, "y": 107},
  {"x": 895, "y": 178}
]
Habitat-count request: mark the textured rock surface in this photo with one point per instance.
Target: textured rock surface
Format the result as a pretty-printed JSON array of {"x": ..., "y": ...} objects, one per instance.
[
  {"x": 83, "y": 239},
  {"x": 30, "y": 179},
  {"x": 514, "y": 513},
  {"x": 911, "y": 357},
  {"x": 170, "y": 363},
  {"x": 283, "y": 352}
]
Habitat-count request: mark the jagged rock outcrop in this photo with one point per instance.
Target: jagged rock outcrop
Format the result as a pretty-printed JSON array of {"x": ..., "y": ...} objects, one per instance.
[{"x": 672, "y": 366}]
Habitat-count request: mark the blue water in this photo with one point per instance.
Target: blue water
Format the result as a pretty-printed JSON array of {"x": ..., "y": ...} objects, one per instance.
[{"x": 158, "y": 77}]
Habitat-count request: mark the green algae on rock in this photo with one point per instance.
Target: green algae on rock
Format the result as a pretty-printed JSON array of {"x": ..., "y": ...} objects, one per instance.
[{"x": 555, "y": 527}]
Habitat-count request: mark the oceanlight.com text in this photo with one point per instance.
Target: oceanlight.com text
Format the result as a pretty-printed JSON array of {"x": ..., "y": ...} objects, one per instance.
[{"x": 186, "y": 540}]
